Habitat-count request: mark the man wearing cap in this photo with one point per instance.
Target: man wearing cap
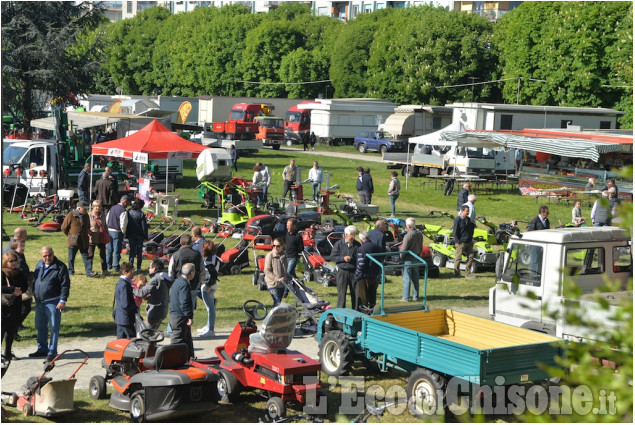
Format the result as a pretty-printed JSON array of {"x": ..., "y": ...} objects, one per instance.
[
  {"x": 76, "y": 227},
  {"x": 117, "y": 222}
]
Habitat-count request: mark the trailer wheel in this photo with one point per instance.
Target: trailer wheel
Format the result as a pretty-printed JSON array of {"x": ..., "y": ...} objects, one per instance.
[
  {"x": 97, "y": 387},
  {"x": 336, "y": 354},
  {"x": 439, "y": 259},
  {"x": 424, "y": 391},
  {"x": 27, "y": 409},
  {"x": 138, "y": 406},
  {"x": 276, "y": 147},
  {"x": 276, "y": 408},
  {"x": 362, "y": 148},
  {"x": 289, "y": 142},
  {"x": 228, "y": 387}
]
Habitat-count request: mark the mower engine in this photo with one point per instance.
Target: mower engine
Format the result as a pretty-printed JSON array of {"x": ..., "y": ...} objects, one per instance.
[{"x": 122, "y": 355}]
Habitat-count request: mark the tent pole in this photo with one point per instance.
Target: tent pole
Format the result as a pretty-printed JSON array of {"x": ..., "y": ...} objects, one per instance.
[
  {"x": 167, "y": 174},
  {"x": 407, "y": 165},
  {"x": 90, "y": 191}
]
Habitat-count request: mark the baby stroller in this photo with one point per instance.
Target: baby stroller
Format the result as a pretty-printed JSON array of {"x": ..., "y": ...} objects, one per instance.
[{"x": 308, "y": 305}]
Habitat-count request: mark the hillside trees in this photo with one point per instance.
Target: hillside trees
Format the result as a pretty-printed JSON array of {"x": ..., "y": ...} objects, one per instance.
[
  {"x": 568, "y": 54},
  {"x": 580, "y": 50},
  {"x": 417, "y": 51}
]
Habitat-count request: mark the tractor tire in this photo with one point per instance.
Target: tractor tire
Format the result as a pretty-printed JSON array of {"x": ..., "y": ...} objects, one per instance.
[
  {"x": 138, "y": 406},
  {"x": 235, "y": 270},
  {"x": 276, "y": 408},
  {"x": 362, "y": 148},
  {"x": 27, "y": 409},
  {"x": 228, "y": 387},
  {"x": 97, "y": 387},
  {"x": 336, "y": 354},
  {"x": 424, "y": 391},
  {"x": 439, "y": 259}
]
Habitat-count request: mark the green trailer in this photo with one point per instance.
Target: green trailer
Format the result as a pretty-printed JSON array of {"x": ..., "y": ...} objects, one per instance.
[{"x": 434, "y": 346}]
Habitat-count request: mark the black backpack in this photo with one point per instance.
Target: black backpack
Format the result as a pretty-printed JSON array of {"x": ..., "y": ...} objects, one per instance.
[{"x": 211, "y": 269}]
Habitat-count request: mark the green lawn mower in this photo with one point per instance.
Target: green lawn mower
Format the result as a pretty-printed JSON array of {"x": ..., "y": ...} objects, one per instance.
[{"x": 444, "y": 252}]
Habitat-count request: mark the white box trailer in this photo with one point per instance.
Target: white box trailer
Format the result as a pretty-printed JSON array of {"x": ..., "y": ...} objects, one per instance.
[
  {"x": 338, "y": 120},
  {"x": 217, "y": 108},
  {"x": 414, "y": 120}
]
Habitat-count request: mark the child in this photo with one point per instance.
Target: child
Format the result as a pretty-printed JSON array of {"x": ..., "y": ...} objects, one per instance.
[
  {"x": 576, "y": 214},
  {"x": 139, "y": 282}
]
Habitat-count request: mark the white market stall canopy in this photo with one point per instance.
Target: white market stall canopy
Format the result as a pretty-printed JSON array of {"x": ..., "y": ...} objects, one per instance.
[
  {"x": 80, "y": 120},
  {"x": 575, "y": 148}
]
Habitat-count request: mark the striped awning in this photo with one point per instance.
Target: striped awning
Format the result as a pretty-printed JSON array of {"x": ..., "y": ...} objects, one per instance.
[{"x": 574, "y": 148}]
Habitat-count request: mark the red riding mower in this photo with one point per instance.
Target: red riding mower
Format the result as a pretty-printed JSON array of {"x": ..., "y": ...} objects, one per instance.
[
  {"x": 154, "y": 382},
  {"x": 259, "y": 360}
]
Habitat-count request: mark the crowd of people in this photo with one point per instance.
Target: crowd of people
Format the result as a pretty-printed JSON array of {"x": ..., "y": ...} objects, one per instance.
[{"x": 170, "y": 293}]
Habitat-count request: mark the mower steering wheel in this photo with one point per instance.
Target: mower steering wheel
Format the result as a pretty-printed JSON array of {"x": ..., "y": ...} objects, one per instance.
[
  {"x": 255, "y": 310},
  {"x": 151, "y": 335}
]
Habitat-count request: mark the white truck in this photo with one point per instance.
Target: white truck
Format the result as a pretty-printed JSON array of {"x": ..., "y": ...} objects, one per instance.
[
  {"x": 435, "y": 160},
  {"x": 532, "y": 291}
]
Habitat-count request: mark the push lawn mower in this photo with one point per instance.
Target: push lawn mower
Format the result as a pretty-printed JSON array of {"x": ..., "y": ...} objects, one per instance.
[
  {"x": 44, "y": 396},
  {"x": 154, "y": 382},
  {"x": 259, "y": 360}
]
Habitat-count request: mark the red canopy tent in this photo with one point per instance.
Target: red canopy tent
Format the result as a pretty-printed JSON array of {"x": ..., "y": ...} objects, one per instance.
[{"x": 154, "y": 141}]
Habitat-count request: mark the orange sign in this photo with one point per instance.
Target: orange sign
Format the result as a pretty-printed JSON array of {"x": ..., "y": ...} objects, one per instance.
[
  {"x": 115, "y": 107},
  {"x": 183, "y": 112}
]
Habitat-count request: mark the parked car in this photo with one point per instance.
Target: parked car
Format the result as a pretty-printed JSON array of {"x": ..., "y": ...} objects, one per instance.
[{"x": 377, "y": 141}]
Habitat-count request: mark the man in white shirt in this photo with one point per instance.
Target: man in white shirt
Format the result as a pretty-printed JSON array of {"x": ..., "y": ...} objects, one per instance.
[
  {"x": 471, "y": 199},
  {"x": 316, "y": 176},
  {"x": 266, "y": 178}
]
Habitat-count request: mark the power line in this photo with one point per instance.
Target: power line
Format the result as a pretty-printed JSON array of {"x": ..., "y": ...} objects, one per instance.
[
  {"x": 293, "y": 84},
  {"x": 474, "y": 84}
]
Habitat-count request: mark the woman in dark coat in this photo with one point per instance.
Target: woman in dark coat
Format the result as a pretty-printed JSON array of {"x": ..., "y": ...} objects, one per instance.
[
  {"x": 12, "y": 283},
  {"x": 136, "y": 232}
]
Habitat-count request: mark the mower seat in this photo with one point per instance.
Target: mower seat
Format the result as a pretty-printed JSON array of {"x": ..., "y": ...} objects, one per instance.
[
  {"x": 276, "y": 331},
  {"x": 171, "y": 356}
]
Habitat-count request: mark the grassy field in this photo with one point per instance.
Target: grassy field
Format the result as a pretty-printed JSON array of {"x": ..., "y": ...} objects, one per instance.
[{"x": 88, "y": 312}]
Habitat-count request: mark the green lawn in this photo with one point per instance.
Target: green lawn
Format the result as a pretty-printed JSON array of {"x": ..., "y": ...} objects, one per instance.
[{"x": 88, "y": 312}]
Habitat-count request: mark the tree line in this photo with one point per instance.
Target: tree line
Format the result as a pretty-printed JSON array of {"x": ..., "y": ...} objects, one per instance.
[{"x": 541, "y": 53}]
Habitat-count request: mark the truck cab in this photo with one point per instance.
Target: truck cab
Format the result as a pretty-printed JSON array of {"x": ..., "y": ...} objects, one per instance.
[
  {"x": 378, "y": 141},
  {"x": 537, "y": 268},
  {"x": 296, "y": 123},
  {"x": 26, "y": 157},
  {"x": 270, "y": 131}
]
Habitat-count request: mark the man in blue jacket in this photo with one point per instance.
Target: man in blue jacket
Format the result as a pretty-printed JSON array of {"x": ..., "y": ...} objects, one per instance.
[
  {"x": 366, "y": 273},
  {"x": 181, "y": 308},
  {"x": 83, "y": 184},
  {"x": 125, "y": 309},
  {"x": 364, "y": 186},
  {"x": 117, "y": 223},
  {"x": 51, "y": 289}
]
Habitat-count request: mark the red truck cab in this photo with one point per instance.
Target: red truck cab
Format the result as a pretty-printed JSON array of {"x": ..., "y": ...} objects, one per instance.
[
  {"x": 270, "y": 131},
  {"x": 297, "y": 122},
  {"x": 241, "y": 123}
]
